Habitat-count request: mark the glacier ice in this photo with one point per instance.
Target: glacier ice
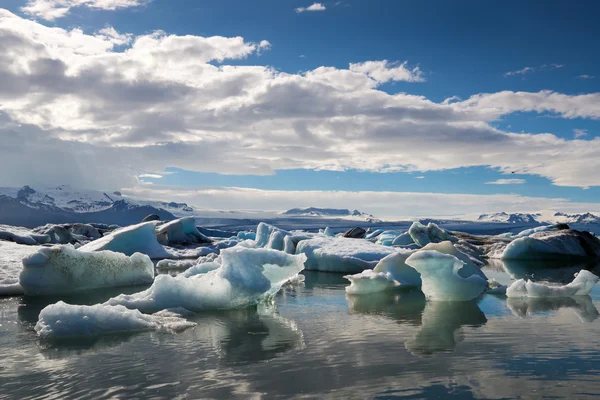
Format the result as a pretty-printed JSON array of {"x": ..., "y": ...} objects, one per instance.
[
  {"x": 246, "y": 235},
  {"x": 22, "y": 235},
  {"x": 339, "y": 254},
  {"x": 328, "y": 232},
  {"x": 580, "y": 286},
  {"x": 244, "y": 277},
  {"x": 289, "y": 246},
  {"x": 180, "y": 231},
  {"x": 11, "y": 256},
  {"x": 446, "y": 278},
  {"x": 395, "y": 265},
  {"x": 64, "y": 269},
  {"x": 423, "y": 235},
  {"x": 386, "y": 238},
  {"x": 370, "y": 281},
  {"x": 403, "y": 240},
  {"x": 264, "y": 232},
  {"x": 447, "y": 247},
  {"x": 277, "y": 240},
  {"x": 61, "y": 320},
  {"x": 374, "y": 234},
  {"x": 139, "y": 238},
  {"x": 553, "y": 244}
]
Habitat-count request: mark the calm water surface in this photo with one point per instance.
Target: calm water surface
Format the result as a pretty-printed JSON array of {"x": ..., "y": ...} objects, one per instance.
[{"x": 317, "y": 342}]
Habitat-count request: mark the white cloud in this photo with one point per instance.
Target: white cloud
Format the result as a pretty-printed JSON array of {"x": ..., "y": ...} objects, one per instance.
[
  {"x": 507, "y": 182},
  {"x": 419, "y": 177},
  {"x": 152, "y": 176},
  {"x": 584, "y": 76},
  {"x": 76, "y": 108},
  {"x": 53, "y": 9},
  {"x": 529, "y": 70},
  {"x": 387, "y": 205},
  {"x": 580, "y": 133},
  {"x": 312, "y": 7}
]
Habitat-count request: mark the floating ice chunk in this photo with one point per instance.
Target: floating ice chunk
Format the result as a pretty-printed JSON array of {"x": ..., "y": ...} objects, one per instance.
[
  {"x": 447, "y": 247},
  {"x": 386, "y": 238},
  {"x": 395, "y": 265},
  {"x": 374, "y": 234},
  {"x": 277, "y": 240},
  {"x": 551, "y": 245},
  {"x": 21, "y": 235},
  {"x": 140, "y": 238},
  {"x": 200, "y": 269},
  {"x": 244, "y": 278},
  {"x": 341, "y": 254},
  {"x": 182, "y": 265},
  {"x": 545, "y": 228},
  {"x": 264, "y": 231},
  {"x": 582, "y": 285},
  {"x": 370, "y": 281},
  {"x": 445, "y": 277},
  {"x": 63, "y": 269},
  {"x": 288, "y": 245},
  {"x": 61, "y": 320},
  {"x": 496, "y": 288},
  {"x": 328, "y": 232},
  {"x": 403, "y": 240},
  {"x": 247, "y": 235},
  {"x": 11, "y": 266},
  {"x": 423, "y": 235},
  {"x": 180, "y": 231}
]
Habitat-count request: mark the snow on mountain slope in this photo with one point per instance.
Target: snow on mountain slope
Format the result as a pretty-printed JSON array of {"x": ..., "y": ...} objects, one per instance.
[
  {"x": 516, "y": 218},
  {"x": 330, "y": 213},
  {"x": 541, "y": 217}
]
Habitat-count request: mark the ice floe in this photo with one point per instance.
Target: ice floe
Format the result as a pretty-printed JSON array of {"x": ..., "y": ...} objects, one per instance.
[
  {"x": 244, "y": 277},
  {"x": 446, "y": 278},
  {"x": 11, "y": 266},
  {"x": 61, "y": 320},
  {"x": 580, "y": 286},
  {"x": 64, "y": 269},
  {"x": 340, "y": 254}
]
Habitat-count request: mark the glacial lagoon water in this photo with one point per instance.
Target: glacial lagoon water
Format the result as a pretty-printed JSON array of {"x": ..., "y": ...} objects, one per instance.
[{"x": 315, "y": 341}]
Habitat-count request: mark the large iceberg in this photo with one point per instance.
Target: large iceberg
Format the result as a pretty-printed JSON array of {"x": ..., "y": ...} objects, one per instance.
[
  {"x": 445, "y": 277},
  {"x": 580, "y": 286},
  {"x": 264, "y": 232},
  {"x": 11, "y": 256},
  {"x": 431, "y": 233},
  {"x": 552, "y": 245},
  {"x": 21, "y": 235},
  {"x": 180, "y": 231},
  {"x": 64, "y": 269},
  {"x": 61, "y": 320},
  {"x": 339, "y": 254},
  {"x": 244, "y": 277}
]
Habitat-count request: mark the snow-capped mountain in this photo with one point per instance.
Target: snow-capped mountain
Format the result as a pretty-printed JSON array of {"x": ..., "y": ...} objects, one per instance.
[
  {"x": 330, "y": 213},
  {"x": 516, "y": 218},
  {"x": 542, "y": 217}
]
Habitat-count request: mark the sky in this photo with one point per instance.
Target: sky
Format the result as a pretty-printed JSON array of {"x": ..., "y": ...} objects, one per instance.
[{"x": 397, "y": 108}]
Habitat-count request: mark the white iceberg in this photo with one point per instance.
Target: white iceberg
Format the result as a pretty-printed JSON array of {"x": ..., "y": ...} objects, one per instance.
[
  {"x": 580, "y": 286},
  {"x": 431, "y": 233},
  {"x": 64, "y": 269},
  {"x": 61, "y": 320},
  {"x": 180, "y": 231},
  {"x": 246, "y": 235},
  {"x": 277, "y": 240},
  {"x": 244, "y": 277},
  {"x": 446, "y": 278},
  {"x": 22, "y": 235},
  {"x": 341, "y": 254},
  {"x": 370, "y": 281},
  {"x": 403, "y": 240},
  {"x": 447, "y": 247},
  {"x": 11, "y": 265},
  {"x": 386, "y": 238},
  {"x": 264, "y": 232}
]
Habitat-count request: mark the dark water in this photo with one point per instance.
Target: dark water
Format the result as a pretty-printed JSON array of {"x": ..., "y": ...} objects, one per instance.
[{"x": 317, "y": 342}]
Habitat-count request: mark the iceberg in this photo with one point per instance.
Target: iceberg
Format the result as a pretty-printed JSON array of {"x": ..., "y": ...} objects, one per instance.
[
  {"x": 244, "y": 277},
  {"x": 246, "y": 235},
  {"x": 403, "y": 240},
  {"x": 328, "y": 232},
  {"x": 61, "y": 320},
  {"x": 340, "y": 254},
  {"x": 180, "y": 231},
  {"x": 277, "y": 240},
  {"x": 370, "y": 281},
  {"x": 21, "y": 235},
  {"x": 447, "y": 247},
  {"x": 423, "y": 235},
  {"x": 580, "y": 286},
  {"x": 386, "y": 238},
  {"x": 63, "y": 269},
  {"x": 395, "y": 265},
  {"x": 264, "y": 232},
  {"x": 552, "y": 245},
  {"x": 374, "y": 234},
  {"x": 445, "y": 277},
  {"x": 11, "y": 256}
]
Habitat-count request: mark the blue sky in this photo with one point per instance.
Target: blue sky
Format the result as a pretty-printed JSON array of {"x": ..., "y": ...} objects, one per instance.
[{"x": 461, "y": 49}]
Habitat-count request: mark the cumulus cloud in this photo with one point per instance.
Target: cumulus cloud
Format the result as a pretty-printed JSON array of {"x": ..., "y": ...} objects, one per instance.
[
  {"x": 53, "y": 9},
  {"x": 579, "y": 133},
  {"x": 312, "y": 7},
  {"x": 388, "y": 205},
  {"x": 506, "y": 182},
  {"x": 151, "y": 176},
  {"x": 585, "y": 76},
  {"x": 101, "y": 108}
]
